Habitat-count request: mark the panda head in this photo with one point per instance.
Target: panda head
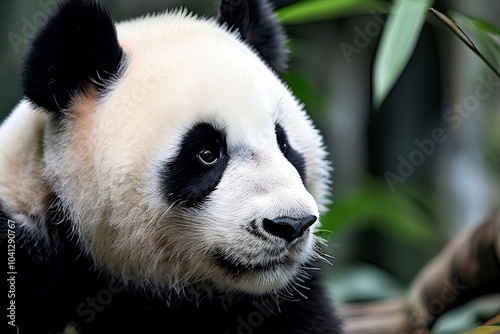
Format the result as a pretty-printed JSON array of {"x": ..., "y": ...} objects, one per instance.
[{"x": 180, "y": 157}]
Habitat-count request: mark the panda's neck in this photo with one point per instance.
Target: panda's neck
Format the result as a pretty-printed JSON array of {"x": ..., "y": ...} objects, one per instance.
[{"x": 49, "y": 268}]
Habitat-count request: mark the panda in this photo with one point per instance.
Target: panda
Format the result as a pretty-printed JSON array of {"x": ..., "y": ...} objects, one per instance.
[{"x": 159, "y": 177}]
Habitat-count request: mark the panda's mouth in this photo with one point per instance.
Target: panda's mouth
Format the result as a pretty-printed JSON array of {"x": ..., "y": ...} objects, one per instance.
[{"x": 238, "y": 266}]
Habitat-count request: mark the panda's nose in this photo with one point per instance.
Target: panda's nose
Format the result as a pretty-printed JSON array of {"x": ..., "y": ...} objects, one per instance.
[{"x": 288, "y": 228}]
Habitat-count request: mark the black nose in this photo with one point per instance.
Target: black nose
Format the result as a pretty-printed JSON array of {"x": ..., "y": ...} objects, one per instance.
[{"x": 288, "y": 228}]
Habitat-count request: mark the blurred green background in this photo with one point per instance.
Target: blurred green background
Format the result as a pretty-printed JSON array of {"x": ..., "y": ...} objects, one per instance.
[{"x": 413, "y": 167}]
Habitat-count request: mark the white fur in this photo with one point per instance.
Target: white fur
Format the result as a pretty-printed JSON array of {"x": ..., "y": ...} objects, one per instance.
[
  {"x": 105, "y": 165},
  {"x": 22, "y": 190}
]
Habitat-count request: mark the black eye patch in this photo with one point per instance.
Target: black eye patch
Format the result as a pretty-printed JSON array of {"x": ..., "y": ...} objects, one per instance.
[
  {"x": 195, "y": 172},
  {"x": 295, "y": 158}
]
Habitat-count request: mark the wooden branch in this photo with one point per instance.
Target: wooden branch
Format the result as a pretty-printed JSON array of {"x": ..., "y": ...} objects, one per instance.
[{"x": 468, "y": 267}]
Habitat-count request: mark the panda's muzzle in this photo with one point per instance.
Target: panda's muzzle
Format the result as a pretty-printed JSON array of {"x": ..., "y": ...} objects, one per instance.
[
  {"x": 288, "y": 228},
  {"x": 280, "y": 242}
]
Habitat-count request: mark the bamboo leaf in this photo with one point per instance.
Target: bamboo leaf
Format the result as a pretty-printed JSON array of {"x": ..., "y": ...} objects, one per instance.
[
  {"x": 488, "y": 34},
  {"x": 397, "y": 43},
  {"x": 454, "y": 28},
  {"x": 311, "y": 11}
]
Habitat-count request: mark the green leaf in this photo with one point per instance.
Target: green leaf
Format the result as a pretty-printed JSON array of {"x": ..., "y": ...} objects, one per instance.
[
  {"x": 315, "y": 10},
  {"x": 359, "y": 281},
  {"x": 454, "y": 28},
  {"x": 488, "y": 34},
  {"x": 392, "y": 212},
  {"x": 397, "y": 43},
  {"x": 484, "y": 330}
]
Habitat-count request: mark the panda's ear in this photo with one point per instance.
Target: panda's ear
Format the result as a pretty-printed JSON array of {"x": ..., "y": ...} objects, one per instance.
[
  {"x": 259, "y": 27},
  {"x": 76, "y": 47}
]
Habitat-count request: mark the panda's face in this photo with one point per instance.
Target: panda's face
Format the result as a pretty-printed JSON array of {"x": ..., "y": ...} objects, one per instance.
[{"x": 197, "y": 167}]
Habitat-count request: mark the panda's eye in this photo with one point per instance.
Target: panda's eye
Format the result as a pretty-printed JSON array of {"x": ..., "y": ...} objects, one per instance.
[
  {"x": 281, "y": 138},
  {"x": 283, "y": 147},
  {"x": 208, "y": 156}
]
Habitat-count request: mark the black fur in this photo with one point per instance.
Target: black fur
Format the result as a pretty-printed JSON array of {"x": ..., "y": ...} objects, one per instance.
[
  {"x": 57, "y": 285},
  {"x": 185, "y": 178},
  {"x": 295, "y": 158},
  {"x": 259, "y": 27},
  {"x": 77, "y": 46}
]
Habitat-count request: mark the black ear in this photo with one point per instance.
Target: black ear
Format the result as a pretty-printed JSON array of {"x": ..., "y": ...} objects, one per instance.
[
  {"x": 258, "y": 26},
  {"x": 76, "y": 47}
]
